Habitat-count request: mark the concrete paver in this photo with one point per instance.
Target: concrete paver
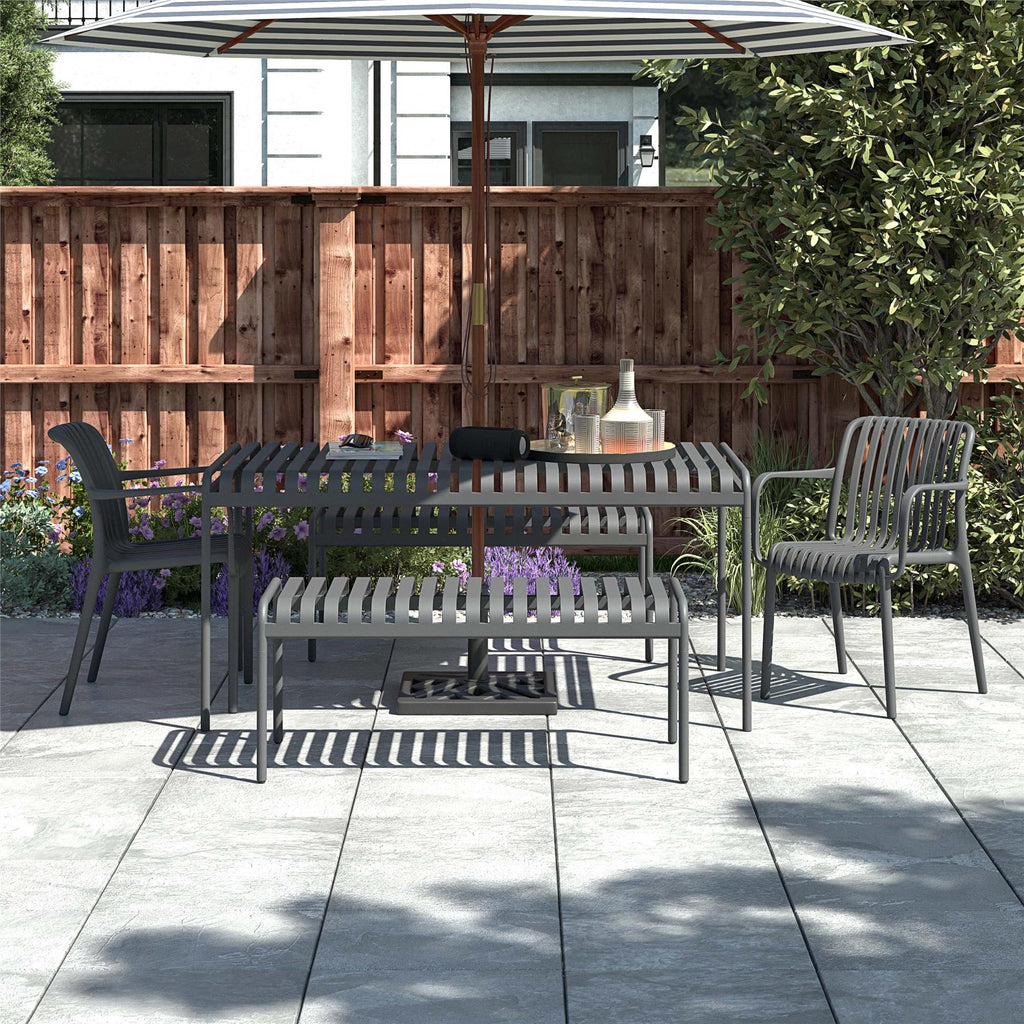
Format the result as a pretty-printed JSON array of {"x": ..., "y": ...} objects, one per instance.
[{"x": 830, "y": 865}]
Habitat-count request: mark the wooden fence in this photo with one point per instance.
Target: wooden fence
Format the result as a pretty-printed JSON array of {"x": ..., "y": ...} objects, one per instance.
[{"x": 187, "y": 318}]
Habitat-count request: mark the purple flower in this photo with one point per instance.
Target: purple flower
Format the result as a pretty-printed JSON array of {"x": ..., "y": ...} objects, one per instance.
[
  {"x": 265, "y": 520},
  {"x": 159, "y": 464},
  {"x": 277, "y": 533},
  {"x": 301, "y": 529},
  {"x": 265, "y": 567},
  {"x": 139, "y": 591},
  {"x": 146, "y": 530},
  {"x": 530, "y": 563},
  {"x": 437, "y": 567},
  {"x": 78, "y": 511},
  {"x": 405, "y": 437},
  {"x": 459, "y": 565},
  {"x": 218, "y": 525}
]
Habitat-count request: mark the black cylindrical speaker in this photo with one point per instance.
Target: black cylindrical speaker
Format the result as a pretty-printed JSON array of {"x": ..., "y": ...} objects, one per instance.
[{"x": 489, "y": 443}]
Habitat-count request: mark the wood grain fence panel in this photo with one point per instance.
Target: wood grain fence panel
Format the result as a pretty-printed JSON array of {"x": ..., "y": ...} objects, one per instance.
[
  {"x": 232, "y": 290},
  {"x": 336, "y": 233},
  {"x": 91, "y": 401},
  {"x": 52, "y": 402},
  {"x": 130, "y": 402},
  {"x": 249, "y": 281},
  {"x": 209, "y": 437},
  {"x": 19, "y": 333},
  {"x": 170, "y": 440}
]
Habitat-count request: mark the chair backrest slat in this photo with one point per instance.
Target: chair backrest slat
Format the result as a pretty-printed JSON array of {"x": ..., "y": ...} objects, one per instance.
[
  {"x": 94, "y": 460},
  {"x": 880, "y": 457}
]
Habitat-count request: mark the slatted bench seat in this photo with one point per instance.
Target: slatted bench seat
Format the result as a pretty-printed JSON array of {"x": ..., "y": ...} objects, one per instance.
[
  {"x": 318, "y": 608},
  {"x": 409, "y": 525}
]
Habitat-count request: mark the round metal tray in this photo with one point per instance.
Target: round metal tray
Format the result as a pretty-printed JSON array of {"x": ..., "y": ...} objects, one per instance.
[{"x": 540, "y": 451}]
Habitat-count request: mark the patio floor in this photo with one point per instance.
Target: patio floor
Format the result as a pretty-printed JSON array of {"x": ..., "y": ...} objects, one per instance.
[{"x": 830, "y": 865}]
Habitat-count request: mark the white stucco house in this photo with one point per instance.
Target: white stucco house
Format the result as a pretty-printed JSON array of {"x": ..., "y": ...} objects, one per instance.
[{"x": 152, "y": 119}]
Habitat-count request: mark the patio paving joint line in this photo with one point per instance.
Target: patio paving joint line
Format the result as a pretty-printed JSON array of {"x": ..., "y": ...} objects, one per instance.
[
  {"x": 344, "y": 836},
  {"x": 768, "y": 843},
  {"x": 1002, "y": 657},
  {"x": 942, "y": 789},
  {"x": 554, "y": 840}
]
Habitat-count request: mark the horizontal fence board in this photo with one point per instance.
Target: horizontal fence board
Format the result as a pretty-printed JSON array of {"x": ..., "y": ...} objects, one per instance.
[{"x": 187, "y": 318}]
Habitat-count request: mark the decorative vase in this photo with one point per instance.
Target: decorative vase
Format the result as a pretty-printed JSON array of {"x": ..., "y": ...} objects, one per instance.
[{"x": 626, "y": 427}]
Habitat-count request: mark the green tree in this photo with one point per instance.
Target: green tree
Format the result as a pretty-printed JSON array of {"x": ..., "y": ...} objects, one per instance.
[
  {"x": 878, "y": 201},
  {"x": 28, "y": 95}
]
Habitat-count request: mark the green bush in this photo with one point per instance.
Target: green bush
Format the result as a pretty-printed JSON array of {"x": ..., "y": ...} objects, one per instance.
[
  {"x": 25, "y": 526},
  {"x": 37, "y": 580}
]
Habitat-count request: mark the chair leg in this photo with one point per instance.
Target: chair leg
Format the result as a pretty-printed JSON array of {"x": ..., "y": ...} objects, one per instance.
[
  {"x": 312, "y": 563},
  {"x": 888, "y": 661},
  {"x": 101, "y": 633},
  {"x": 684, "y": 698},
  {"x": 721, "y": 574},
  {"x": 769, "y": 631},
  {"x": 971, "y": 608},
  {"x": 234, "y": 650},
  {"x": 673, "y": 690},
  {"x": 92, "y": 590},
  {"x": 835, "y": 600},
  {"x": 245, "y": 613}
]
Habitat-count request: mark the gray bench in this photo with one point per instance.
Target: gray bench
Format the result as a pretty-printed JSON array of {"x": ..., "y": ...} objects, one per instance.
[
  {"x": 409, "y": 525},
  {"x": 392, "y": 609}
]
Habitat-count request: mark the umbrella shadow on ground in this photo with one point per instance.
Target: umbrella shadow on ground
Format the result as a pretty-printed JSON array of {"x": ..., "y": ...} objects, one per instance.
[{"x": 889, "y": 913}]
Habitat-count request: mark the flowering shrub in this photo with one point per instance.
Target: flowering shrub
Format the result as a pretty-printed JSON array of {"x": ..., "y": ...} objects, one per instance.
[
  {"x": 508, "y": 563},
  {"x": 26, "y": 510},
  {"x": 139, "y": 591},
  {"x": 265, "y": 566}
]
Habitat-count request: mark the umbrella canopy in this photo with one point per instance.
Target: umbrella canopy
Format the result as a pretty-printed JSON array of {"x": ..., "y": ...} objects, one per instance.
[
  {"x": 528, "y": 30},
  {"x": 525, "y": 30}
]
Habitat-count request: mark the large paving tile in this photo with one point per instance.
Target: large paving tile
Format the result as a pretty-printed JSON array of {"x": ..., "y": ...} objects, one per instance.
[
  {"x": 662, "y": 883},
  {"x": 971, "y": 742},
  {"x": 720, "y": 994},
  {"x": 214, "y": 912},
  {"x": 928, "y": 996},
  {"x": 33, "y": 662},
  {"x": 485, "y": 994},
  {"x": 881, "y": 868}
]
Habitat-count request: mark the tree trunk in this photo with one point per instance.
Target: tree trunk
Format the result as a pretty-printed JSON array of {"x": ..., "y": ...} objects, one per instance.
[{"x": 939, "y": 403}]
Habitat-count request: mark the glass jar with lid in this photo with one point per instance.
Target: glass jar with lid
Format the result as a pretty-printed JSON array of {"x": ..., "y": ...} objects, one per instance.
[{"x": 564, "y": 403}]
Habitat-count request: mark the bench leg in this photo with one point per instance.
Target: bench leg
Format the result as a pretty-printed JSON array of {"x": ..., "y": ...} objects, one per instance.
[
  {"x": 278, "y": 657},
  {"x": 261, "y": 702},
  {"x": 645, "y": 567},
  {"x": 721, "y": 567}
]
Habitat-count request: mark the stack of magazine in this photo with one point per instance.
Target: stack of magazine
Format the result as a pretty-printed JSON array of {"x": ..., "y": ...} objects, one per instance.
[{"x": 378, "y": 450}]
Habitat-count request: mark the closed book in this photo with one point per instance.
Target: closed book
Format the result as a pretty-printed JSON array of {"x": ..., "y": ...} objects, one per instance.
[{"x": 378, "y": 450}]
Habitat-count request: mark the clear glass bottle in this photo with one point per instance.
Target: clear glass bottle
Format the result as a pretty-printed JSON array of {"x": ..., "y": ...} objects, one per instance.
[{"x": 626, "y": 427}]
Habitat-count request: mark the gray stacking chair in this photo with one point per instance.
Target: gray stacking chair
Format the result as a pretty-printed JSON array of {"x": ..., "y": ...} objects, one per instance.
[
  {"x": 902, "y": 479},
  {"x": 114, "y": 550}
]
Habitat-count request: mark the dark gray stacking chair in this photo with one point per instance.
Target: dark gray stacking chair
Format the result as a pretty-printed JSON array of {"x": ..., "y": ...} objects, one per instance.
[
  {"x": 114, "y": 551},
  {"x": 902, "y": 478}
]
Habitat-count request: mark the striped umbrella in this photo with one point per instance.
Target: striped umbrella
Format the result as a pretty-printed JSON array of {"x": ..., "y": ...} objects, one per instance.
[{"x": 525, "y": 30}]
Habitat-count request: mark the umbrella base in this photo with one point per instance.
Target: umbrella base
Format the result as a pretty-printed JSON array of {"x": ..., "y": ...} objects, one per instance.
[{"x": 497, "y": 693}]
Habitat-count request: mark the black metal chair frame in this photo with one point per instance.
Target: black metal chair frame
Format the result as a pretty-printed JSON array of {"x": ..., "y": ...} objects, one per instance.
[
  {"x": 901, "y": 476},
  {"x": 115, "y": 552}
]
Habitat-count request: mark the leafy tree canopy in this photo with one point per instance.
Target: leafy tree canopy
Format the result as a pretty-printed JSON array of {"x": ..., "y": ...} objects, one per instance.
[
  {"x": 878, "y": 198},
  {"x": 28, "y": 96}
]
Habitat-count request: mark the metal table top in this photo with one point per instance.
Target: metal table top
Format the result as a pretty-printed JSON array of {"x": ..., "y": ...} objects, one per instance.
[{"x": 284, "y": 474}]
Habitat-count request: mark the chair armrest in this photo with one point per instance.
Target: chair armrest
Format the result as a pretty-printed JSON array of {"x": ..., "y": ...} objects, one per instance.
[
  {"x": 907, "y": 503},
  {"x": 140, "y": 474},
  {"x": 755, "y": 497}
]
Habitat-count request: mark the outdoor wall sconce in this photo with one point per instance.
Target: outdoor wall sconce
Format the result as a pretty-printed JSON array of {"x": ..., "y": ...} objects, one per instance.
[{"x": 647, "y": 154}]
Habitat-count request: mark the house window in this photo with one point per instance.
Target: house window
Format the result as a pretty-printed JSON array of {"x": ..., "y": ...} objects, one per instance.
[
  {"x": 580, "y": 153},
  {"x": 151, "y": 142},
  {"x": 508, "y": 153}
]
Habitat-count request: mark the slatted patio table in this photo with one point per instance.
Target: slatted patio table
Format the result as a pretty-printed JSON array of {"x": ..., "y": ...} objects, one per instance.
[{"x": 289, "y": 475}]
